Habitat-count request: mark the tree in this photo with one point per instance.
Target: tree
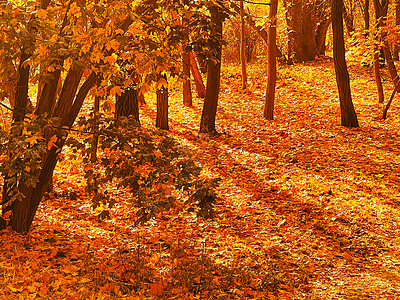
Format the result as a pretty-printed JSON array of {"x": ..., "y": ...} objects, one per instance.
[
  {"x": 307, "y": 23},
  {"x": 207, "y": 122},
  {"x": 269, "y": 100},
  {"x": 348, "y": 114},
  {"x": 243, "y": 46},
  {"x": 162, "y": 104},
  {"x": 127, "y": 104}
]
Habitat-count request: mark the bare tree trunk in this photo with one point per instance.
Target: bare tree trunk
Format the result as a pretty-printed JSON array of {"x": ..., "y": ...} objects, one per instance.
[
  {"x": 243, "y": 46},
  {"x": 348, "y": 114},
  {"x": 207, "y": 122},
  {"x": 187, "y": 91},
  {"x": 384, "y": 114},
  {"x": 378, "y": 80},
  {"x": 396, "y": 46},
  {"x": 381, "y": 11},
  {"x": 259, "y": 29},
  {"x": 348, "y": 16},
  {"x": 198, "y": 80},
  {"x": 366, "y": 17},
  {"x": 95, "y": 138},
  {"x": 127, "y": 104},
  {"x": 162, "y": 107},
  {"x": 269, "y": 101}
]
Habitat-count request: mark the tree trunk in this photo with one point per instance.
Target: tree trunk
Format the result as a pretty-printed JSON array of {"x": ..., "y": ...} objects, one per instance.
[
  {"x": 198, "y": 80},
  {"x": 95, "y": 138},
  {"x": 207, "y": 122},
  {"x": 127, "y": 104},
  {"x": 396, "y": 46},
  {"x": 302, "y": 23},
  {"x": 162, "y": 106},
  {"x": 377, "y": 74},
  {"x": 187, "y": 91},
  {"x": 348, "y": 16},
  {"x": 320, "y": 35},
  {"x": 366, "y": 17},
  {"x": 243, "y": 46},
  {"x": 24, "y": 211},
  {"x": 260, "y": 30},
  {"x": 269, "y": 101},
  {"x": 381, "y": 11},
  {"x": 348, "y": 114}
]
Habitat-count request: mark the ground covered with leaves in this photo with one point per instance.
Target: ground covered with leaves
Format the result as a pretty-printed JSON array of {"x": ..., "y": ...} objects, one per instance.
[{"x": 306, "y": 209}]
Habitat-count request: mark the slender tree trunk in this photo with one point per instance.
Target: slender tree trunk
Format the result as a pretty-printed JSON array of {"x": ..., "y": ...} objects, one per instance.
[
  {"x": 259, "y": 29},
  {"x": 348, "y": 114},
  {"x": 366, "y": 17},
  {"x": 384, "y": 114},
  {"x": 396, "y": 46},
  {"x": 162, "y": 107},
  {"x": 198, "y": 80},
  {"x": 207, "y": 122},
  {"x": 378, "y": 80},
  {"x": 243, "y": 46},
  {"x": 320, "y": 35},
  {"x": 95, "y": 138},
  {"x": 187, "y": 91},
  {"x": 269, "y": 101},
  {"x": 349, "y": 19},
  {"x": 381, "y": 11}
]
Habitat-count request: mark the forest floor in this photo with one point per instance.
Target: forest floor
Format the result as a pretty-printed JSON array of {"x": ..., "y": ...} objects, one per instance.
[{"x": 306, "y": 209}]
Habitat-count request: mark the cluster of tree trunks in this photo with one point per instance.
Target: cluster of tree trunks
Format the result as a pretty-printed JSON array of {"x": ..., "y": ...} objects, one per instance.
[{"x": 308, "y": 22}]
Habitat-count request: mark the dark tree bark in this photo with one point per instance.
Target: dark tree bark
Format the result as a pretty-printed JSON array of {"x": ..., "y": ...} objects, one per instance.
[
  {"x": 24, "y": 211},
  {"x": 162, "y": 107},
  {"x": 243, "y": 46},
  {"x": 348, "y": 114},
  {"x": 366, "y": 17},
  {"x": 21, "y": 95},
  {"x": 127, "y": 104},
  {"x": 207, "y": 122},
  {"x": 396, "y": 46},
  {"x": 269, "y": 101}
]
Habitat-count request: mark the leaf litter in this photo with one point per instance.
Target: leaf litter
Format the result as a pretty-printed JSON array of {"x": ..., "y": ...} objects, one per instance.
[{"x": 306, "y": 209}]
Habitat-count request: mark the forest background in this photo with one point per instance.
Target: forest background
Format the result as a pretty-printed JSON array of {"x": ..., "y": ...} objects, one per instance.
[{"x": 120, "y": 182}]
